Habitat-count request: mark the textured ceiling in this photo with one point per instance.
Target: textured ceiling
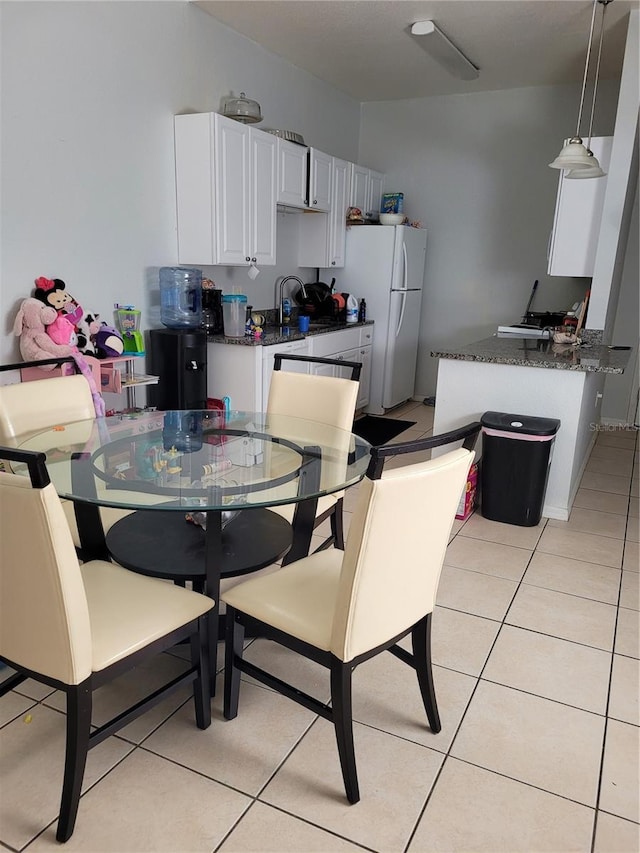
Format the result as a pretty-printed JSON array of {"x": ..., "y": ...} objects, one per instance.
[{"x": 363, "y": 47}]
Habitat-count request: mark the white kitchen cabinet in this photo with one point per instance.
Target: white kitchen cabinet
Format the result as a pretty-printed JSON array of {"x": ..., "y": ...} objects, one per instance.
[
  {"x": 576, "y": 226},
  {"x": 269, "y": 353},
  {"x": 374, "y": 195},
  {"x": 359, "y": 187},
  {"x": 320, "y": 171},
  {"x": 243, "y": 373},
  {"x": 366, "y": 190},
  {"x": 226, "y": 191},
  {"x": 292, "y": 174},
  {"x": 346, "y": 345},
  {"x": 322, "y": 238}
]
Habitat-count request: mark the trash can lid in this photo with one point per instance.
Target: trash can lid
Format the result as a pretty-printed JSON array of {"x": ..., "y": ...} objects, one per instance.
[{"x": 525, "y": 424}]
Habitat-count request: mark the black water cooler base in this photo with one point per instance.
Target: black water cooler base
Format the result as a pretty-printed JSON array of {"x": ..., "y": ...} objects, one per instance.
[{"x": 179, "y": 358}]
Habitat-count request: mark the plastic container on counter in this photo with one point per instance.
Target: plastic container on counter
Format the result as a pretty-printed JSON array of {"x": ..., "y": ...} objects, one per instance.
[{"x": 234, "y": 314}]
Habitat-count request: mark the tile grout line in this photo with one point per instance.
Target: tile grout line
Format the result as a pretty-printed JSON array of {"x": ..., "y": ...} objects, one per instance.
[{"x": 611, "y": 667}]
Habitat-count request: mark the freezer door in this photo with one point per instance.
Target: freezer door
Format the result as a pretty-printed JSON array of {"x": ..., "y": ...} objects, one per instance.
[
  {"x": 408, "y": 258},
  {"x": 402, "y": 347}
]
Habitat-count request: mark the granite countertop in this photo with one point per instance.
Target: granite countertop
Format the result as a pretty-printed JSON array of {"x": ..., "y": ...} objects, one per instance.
[
  {"x": 534, "y": 352},
  {"x": 282, "y": 334}
]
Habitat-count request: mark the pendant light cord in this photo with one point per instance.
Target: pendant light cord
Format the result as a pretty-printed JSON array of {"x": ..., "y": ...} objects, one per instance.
[
  {"x": 604, "y": 3},
  {"x": 586, "y": 67}
]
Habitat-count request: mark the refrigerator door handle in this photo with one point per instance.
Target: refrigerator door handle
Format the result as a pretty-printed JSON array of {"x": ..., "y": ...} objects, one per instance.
[
  {"x": 401, "y": 317},
  {"x": 405, "y": 269}
]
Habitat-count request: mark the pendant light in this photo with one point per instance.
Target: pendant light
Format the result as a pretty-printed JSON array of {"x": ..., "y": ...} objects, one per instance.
[
  {"x": 574, "y": 156},
  {"x": 593, "y": 170}
]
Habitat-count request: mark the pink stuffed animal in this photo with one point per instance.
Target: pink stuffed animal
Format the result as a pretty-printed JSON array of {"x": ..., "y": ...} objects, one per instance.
[{"x": 30, "y": 326}]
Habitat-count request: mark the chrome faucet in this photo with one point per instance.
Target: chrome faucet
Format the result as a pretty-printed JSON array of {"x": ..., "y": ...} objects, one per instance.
[{"x": 280, "y": 292}]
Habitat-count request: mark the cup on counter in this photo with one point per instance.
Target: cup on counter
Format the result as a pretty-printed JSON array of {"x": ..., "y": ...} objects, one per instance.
[{"x": 303, "y": 323}]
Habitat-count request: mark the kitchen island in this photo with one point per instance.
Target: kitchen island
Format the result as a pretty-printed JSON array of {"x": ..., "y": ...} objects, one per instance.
[{"x": 534, "y": 377}]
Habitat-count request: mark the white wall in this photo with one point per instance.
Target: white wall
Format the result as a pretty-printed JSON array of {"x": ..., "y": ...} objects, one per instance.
[
  {"x": 473, "y": 169},
  {"x": 621, "y": 391},
  {"x": 89, "y": 90},
  {"x": 620, "y": 192}
]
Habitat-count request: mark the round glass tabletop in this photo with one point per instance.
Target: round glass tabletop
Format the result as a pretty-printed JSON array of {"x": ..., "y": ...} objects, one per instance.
[{"x": 199, "y": 460}]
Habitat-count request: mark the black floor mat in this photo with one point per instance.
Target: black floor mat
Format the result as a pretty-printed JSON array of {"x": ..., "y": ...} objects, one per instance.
[{"x": 378, "y": 430}]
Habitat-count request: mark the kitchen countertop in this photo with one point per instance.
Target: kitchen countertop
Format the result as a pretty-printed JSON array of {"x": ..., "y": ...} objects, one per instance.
[
  {"x": 534, "y": 352},
  {"x": 283, "y": 334}
]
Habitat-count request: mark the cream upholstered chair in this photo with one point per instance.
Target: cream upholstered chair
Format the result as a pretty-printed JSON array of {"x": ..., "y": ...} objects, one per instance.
[
  {"x": 76, "y": 628},
  {"x": 340, "y": 609},
  {"x": 328, "y": 400},
  {"x": 26, "y": 408}
]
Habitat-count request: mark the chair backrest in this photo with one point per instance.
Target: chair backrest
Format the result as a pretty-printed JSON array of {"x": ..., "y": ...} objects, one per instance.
[
  {"x": 44, "y": 618},
  {"x": 27, "y": 407},
  {"x": 325, "y": 399},
  {"x": 395, "y": 550}
]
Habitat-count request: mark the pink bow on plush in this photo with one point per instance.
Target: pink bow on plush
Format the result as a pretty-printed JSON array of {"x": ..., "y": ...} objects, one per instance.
[{"x": 45, "y": 283}]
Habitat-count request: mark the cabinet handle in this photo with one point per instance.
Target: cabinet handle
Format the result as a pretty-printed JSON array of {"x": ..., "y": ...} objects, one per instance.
[
  {"x": 248, "y": 259},
  {"x": 362, "y": 352},
  {"x": 315, "y": 201},
  {"x": 253, "y": 260},
  {"x": 333, "y": 263}
]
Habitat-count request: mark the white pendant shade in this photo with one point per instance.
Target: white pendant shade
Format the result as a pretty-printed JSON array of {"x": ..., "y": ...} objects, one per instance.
[
  {"x": 594, "y": 170},
  {"x": 573, "y": 156}
]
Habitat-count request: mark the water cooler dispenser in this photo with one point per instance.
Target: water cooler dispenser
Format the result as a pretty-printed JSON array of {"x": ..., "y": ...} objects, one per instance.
[{"x": 179, "y": 358}]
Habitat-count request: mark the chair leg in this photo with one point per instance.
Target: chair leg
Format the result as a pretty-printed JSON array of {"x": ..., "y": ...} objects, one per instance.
[
  {"x": 202, "y": 684},
  {"x": 343, "y": 724},
  {"x": 421, "y": 641},
  {"x": 337, "y": 526},
  {"x": 78, "y": 726},
  {"x": 233, "y": 646}
]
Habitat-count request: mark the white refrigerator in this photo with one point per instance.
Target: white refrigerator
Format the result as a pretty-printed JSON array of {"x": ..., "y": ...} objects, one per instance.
[{"x": 384, "y": 264}]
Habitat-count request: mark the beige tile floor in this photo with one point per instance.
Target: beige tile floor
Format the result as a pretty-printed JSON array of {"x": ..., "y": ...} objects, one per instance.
[{"x": 536, "y": 665}]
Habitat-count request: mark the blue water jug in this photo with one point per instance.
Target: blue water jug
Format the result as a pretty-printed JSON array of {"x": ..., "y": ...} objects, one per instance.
[
  {"x": 182, "y": 431},
  {"x": 180, "y": 297}
]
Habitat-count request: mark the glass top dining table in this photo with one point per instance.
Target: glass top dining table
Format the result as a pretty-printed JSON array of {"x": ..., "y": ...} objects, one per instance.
[{"x": 164, "y": 466}]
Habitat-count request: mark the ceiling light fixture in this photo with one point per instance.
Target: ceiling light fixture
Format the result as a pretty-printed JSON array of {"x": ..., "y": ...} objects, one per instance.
[
  {"x": 574, "y": 157},
  {"x": 443, "y": 50}
]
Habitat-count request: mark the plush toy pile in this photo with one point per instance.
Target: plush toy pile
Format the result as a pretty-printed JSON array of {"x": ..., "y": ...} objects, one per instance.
[
  {"x": 51, "y": 324},
  {"x": 92, "y": 337}
]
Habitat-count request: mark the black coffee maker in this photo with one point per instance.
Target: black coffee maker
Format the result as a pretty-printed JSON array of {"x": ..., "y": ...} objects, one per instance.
[{"x": 212, "y": 310}]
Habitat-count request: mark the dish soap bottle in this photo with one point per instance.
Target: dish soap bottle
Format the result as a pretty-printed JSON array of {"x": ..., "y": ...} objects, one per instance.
[
  {"x": 362, "y": 311},
  {"x": 352, "y": 309}
]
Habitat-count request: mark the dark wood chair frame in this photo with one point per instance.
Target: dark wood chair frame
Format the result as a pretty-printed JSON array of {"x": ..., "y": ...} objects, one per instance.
[
  {"x": 334, "y": 513},
  {"x": 339, "y": 711},
  {"x": 79, "y": 737}
]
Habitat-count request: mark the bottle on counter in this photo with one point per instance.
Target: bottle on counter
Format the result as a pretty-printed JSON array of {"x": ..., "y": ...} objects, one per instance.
[
  {"x": 362, "y": 311},
  {"x": 286, "y": 310},
  {"x": 352, "y": 309}
]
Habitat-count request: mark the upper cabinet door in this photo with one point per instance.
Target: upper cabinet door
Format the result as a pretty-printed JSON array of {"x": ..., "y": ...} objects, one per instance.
[
  {"x": 231, "y": 191},
  {"x": 359, "y": 194},
  {"x": 292, "y": 174},
  {"x": 374, "y": 195},
  {"x": 338, "y": 213},
  {"x": 226, "y": 191},
  {"x": 262, "y": 194},
  {"x": 319, "y": 180}
]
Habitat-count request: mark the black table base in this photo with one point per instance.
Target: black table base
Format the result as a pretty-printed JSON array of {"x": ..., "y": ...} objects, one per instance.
[{"x": 162, "y": 544}]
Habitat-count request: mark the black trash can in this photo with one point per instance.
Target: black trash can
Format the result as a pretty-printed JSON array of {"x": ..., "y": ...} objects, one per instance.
[{"x": 516, "y": 454}]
